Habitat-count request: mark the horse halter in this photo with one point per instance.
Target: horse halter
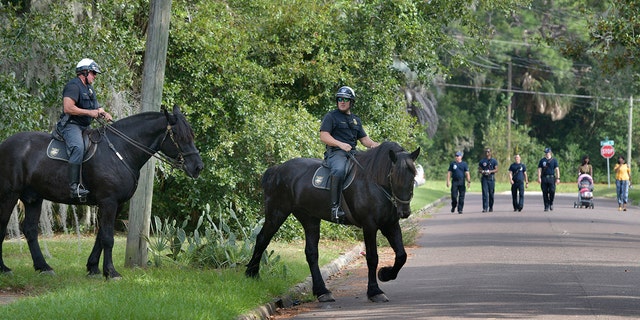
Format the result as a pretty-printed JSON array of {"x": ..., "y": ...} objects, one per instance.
[
  {"x": 393, "y": 198},
  {"x": 178, "y": 162}
]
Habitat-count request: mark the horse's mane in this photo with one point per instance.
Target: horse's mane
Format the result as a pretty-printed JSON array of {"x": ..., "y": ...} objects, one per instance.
[
  {"x": 376, "y": 161},
  {"x": 183, "y": 133}
]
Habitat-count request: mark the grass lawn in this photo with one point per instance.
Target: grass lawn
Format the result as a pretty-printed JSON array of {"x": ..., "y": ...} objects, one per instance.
[{"x": 169, "y": 292}]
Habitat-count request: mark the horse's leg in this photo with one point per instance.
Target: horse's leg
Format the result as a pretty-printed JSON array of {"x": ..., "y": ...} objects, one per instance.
[
  {"x": 394, "y": 236},
  {"x": 32, "y": 211},
  {"x": 104, "y": 240},
  {"x": 6, "y": 209},
  {"x": 94, "y": 257},
  {"x": 311, "y": 227},
  {"x": 373, "y": 290},
  {"x": 272, "y": 222}
]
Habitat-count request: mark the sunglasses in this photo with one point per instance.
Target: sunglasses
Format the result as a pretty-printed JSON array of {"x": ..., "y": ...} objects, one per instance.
[{"x": 344, "y": 100}]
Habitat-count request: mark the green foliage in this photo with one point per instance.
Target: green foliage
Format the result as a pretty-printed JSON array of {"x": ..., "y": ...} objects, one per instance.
[{"x": 166, "y": 237}]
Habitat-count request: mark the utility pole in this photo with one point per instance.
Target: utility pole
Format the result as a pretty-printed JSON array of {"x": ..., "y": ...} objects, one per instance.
[
  {"x": 155, "y": 58},
  {"x": 630, "y": 131},
  {"x": 509, "y": 114}
]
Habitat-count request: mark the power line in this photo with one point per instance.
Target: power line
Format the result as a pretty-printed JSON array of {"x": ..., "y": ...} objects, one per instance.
[{"x": 531, "y": 92}]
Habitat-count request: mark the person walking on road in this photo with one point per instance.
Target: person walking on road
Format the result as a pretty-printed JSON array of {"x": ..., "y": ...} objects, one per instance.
[
  {"x": 585, "y": 167},
  {"x": 623, "y": 181},
  {"x": 548, "y": 176},
  {"x": 487, "y": 168},
  {"x": 457, "y": 173},
  {"x": 519, "y": 180}
]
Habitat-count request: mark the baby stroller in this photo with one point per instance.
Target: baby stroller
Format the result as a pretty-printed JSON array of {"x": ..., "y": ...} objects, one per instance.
[{"x": 585, "y": 192}]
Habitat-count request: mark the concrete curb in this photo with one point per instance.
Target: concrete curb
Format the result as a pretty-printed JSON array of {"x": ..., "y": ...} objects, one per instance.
[{"x": 287, "y": 300}]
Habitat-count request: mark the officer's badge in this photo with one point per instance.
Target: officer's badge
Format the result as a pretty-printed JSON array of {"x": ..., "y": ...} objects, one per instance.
[{"x": 355, "y": 122}]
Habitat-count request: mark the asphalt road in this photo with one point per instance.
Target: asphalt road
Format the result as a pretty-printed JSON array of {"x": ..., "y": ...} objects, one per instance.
[{"x": 568, "y": 263}]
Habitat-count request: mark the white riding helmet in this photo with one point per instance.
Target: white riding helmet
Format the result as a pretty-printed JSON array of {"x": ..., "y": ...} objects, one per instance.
[{"x": 87, "y": 65}]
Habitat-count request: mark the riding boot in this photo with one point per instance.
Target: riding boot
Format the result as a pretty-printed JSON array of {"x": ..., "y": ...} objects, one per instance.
[
  {"x": 337, "y": 215},
  {"x": 76, "y": 189}
]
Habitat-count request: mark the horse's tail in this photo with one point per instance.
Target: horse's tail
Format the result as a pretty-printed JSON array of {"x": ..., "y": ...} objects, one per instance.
[{"x": 270, "y": 179}]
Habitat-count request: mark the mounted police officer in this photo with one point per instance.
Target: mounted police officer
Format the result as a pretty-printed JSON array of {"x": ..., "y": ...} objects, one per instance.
[
  {"x": 340, "y": 131},
  {"x": 80, "y": 107}
]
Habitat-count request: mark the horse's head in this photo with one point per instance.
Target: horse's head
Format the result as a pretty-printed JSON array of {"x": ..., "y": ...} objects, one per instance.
[
  {"x": 401, "y": 180},
  {"x": 179, "y": 143}
]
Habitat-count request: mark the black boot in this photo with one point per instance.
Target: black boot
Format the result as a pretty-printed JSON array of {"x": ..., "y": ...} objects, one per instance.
[
  {"x": 337, "y": 215},
  {"x": 75, "y": 188}
]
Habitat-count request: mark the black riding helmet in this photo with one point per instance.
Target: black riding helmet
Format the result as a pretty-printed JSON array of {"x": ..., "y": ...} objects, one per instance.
[{"x": 346, "y": 92}]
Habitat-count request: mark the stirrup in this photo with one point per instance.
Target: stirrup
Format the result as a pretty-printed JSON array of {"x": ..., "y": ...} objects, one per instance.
[
  {"x": 79, "y": 192},
  {"x": 337, "y": 215}
]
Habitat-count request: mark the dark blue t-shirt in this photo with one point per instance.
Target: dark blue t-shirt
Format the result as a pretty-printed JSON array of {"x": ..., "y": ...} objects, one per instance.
[
  {"x": 548, "y": 166},
  {"x": 85, "y": 98},
  {"x": 517, "y": 171},
  {"x": 343, "y": 127},
  {"x": 488, "y": 164},
  {"x": 457, "y": 170}
]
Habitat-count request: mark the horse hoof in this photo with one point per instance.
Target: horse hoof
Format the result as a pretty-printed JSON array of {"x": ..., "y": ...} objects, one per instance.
[
  {"x": 48, "y": 273},
  {"x": 94, "y": 275},
  {"x": 379, "y": 298},
  {"x": 385, "y": 274},
  {"x": 327, "y": 297},
  {"x": 114, "y": 278}
]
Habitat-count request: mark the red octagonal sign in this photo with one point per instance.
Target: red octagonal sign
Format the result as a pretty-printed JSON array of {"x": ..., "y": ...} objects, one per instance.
[{"x": 607, "y": 151}]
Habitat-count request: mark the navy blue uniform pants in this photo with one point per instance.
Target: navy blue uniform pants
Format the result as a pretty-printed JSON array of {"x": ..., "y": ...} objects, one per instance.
[
  {"x": 517, "y": 195},
  {"x": 72, "y": 134},
  {"x": 488, "y": 189},
  {"x": 548, "y": 186},
  {"x": 458, "y": 191}
]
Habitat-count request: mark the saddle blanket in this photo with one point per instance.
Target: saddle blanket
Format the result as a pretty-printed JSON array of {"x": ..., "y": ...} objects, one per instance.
[
  {"x": 322, "y": 176},
  {"x": 57, "y": 150}
]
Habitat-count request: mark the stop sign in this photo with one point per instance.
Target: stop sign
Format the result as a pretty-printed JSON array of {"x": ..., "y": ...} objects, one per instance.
[{"x": 607, "y": 151}]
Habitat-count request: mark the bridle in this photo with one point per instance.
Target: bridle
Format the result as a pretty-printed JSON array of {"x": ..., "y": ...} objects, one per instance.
[
  {"x": 178, "y": 162},
  {"x": 391, "y": 197}
]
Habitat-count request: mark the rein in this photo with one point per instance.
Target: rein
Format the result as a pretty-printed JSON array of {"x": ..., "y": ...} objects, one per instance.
[{"x": 176, "y": 163}]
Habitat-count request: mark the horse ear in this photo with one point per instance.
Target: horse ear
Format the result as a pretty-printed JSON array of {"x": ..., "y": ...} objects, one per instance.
[
  {"x": 393, "y": 156},
  {"x": 414, "y": 155},
  {"x": 176, "y": 109},
  {"x": 172, "y": 117}
]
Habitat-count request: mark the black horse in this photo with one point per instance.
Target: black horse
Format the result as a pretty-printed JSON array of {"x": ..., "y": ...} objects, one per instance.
[
  {"x": 111, "y": 175},
  {"x": 377, "y": 199}
]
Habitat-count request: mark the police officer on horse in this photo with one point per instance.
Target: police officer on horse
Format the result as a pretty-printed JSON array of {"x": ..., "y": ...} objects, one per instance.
[
  {"x": 80, "y": 107},
  {"x": 340, "y": 131}
]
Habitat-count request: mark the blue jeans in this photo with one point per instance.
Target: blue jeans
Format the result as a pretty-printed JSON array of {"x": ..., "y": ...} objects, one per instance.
[{"x": 622, "y": 191}]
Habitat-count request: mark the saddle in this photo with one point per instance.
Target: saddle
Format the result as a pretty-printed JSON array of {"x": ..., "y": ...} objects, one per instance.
[
  {"x": 57, "y": 148},
  {"x": 321, "y": 177}
]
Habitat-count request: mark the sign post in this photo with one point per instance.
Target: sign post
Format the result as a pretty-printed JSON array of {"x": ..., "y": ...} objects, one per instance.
[{"x": 607, "y": 151}]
